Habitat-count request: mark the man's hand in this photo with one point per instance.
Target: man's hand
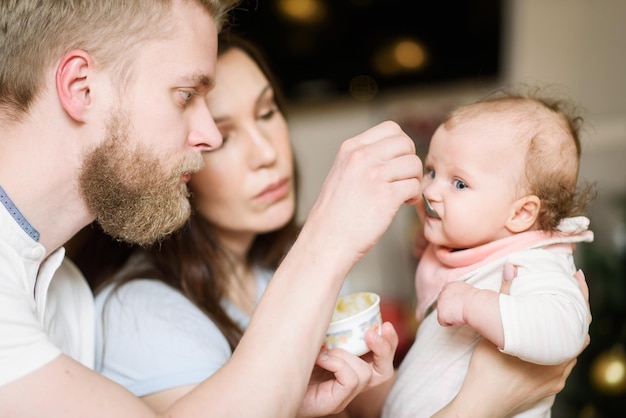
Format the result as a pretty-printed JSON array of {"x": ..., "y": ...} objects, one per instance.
[{"x": 373, "y": 174}]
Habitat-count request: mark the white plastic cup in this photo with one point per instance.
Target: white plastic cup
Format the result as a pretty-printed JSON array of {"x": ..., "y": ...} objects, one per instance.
[{"x": 354, "y": 315}]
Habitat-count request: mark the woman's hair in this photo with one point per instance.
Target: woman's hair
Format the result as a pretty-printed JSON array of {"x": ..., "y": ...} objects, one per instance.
[
  {"x": 36, "y": 33},
  {"x": 194, "y": 261},
  {"x": 228, "y": 40}
]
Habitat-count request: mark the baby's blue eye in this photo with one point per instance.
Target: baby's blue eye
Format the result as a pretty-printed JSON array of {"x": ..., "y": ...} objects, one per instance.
[
  {"x": 460, "y": 184},
  {"x": 431, "y": 173}
]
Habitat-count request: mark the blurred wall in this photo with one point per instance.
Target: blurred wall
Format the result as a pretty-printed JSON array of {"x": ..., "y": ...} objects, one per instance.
[{"x": 577, "y": 44}]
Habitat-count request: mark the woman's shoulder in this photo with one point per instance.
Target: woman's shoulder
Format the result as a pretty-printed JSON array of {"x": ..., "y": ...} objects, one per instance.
[{"x": 141, "y": 294}]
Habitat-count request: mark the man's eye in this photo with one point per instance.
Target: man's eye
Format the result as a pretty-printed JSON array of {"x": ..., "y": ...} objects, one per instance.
[
  {"x": 187, "y": 95},
  {"x": 460, "y": 184}
]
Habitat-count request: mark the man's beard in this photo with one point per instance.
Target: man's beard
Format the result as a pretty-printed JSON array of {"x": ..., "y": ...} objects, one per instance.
[{"x": 127, "y": 189}]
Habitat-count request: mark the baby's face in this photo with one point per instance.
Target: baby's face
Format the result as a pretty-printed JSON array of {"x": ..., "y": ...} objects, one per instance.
[{"x": 472, "y": 177}]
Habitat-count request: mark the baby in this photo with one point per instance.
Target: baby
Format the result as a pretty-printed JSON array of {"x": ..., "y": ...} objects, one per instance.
[{"x": 500, "y": 188}]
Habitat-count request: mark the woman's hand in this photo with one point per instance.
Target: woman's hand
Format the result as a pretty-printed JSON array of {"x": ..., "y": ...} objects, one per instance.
[
  {"x": 339, "y": 376},
  {"x": 500, "y": 385},
  {"x": 380, "y": 358}
]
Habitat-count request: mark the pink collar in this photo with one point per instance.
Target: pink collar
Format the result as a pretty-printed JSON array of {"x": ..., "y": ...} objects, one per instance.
[{"x": 440, "y": 265}]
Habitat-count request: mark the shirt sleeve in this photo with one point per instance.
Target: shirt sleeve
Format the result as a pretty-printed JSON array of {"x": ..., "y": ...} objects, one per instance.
[
  {"x": 151, "y": 338},
  {"x": 545, "y": 318},
  {"x": 24, "y": 344}
]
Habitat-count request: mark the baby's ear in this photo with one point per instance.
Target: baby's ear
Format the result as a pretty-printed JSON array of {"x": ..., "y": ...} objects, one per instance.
[{"x": 524, "y": 213}]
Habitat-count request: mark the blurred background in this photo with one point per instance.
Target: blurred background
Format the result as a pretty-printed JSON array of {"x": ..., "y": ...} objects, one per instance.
[{"x": 346, "y": 65}]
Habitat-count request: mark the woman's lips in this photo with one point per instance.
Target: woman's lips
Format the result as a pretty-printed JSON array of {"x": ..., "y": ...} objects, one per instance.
[{"x": 274, "y": 191}]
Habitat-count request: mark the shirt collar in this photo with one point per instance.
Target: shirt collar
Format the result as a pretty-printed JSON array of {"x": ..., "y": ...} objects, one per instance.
[{"x": 17, "y": 215}]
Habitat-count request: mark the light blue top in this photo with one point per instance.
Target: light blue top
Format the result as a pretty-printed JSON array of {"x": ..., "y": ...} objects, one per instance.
[{"x": 152, "y": 338}]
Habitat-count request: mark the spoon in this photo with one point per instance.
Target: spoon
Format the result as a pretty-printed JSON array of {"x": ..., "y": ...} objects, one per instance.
[{"x": 430, "y": 211}]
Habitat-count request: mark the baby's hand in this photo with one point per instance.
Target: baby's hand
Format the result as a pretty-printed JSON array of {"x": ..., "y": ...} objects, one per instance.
[{"x": 452, "y": 302}]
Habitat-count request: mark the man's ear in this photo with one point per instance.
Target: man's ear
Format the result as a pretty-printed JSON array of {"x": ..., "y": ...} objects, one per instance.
[
  {"x": 524, "y": 213},
  {"x": 72, "y": 83}
]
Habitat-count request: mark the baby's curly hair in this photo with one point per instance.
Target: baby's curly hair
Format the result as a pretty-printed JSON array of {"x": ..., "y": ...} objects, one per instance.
[{"x": 551, "y": 127}]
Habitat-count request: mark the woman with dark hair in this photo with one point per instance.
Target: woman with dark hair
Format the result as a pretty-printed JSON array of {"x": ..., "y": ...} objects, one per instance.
[{"x": 173, "y": 315}]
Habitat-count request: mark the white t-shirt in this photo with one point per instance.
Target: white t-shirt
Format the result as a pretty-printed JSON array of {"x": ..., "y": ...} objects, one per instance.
[{"x": 40, "y": 318}]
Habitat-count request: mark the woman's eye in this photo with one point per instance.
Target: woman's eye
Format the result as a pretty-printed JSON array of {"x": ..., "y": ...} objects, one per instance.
[
  {"x": 268, "y": 115},
  {"x": 225, "y": 135},
  {"x": 459, "y": 184}
]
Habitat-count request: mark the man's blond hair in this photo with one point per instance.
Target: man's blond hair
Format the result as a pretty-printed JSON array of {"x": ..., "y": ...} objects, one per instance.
[{"x": 34, "y": 34}]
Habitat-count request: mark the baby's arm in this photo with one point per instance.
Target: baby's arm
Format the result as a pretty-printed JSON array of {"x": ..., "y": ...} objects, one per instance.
[
  {"x": 498, "y": 385},
  {"x": 460, "y": 303},
  {"x": 545, "y": 322}
]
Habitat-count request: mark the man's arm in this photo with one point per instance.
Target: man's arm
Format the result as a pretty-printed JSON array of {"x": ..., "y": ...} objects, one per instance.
[{"x": 373, "y": 174}]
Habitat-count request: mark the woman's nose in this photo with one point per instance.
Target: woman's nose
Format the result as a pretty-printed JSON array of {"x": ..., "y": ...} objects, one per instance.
[{"x": 262, "y": 151}]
